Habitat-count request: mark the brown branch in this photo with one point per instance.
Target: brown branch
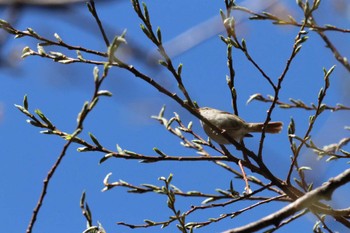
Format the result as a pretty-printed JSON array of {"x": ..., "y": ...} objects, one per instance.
[
  {"x": 341, "y": 59},
  {"x": 295, "y": 103},
  {"x": 157, "y": 40},
  {"x": 46, "y": 184},
  {"x": 296, "y": 48},
  {"x": 93, "y": 11},
  {"x": 287, "y": 221},
  {"x": 312, "y": 25},
  {"x": 7, "y": 27},
  {"x": 321, "y": 96},
  {"x": 323, "y": 192},
  {"x": 234, "y": 214}
]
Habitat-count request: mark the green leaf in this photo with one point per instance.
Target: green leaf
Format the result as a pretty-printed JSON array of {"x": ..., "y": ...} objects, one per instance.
[
  {"x": 88, "y": 211},
  {"x": 35, "y": 123},
  {"x": 312, "y": 119},
  {"x": 104, "y": 158},
  {"x": 92, "y": 229},
  {"x": 162, "y": 154},
  {"x": 229, "y": 24},
  {"x": 297, "y": 49},
  {"x": 82, "y": 199},
  {"x": 47, "y": 132},
  {"x": 165, "y": 225},
  {"x": 208, "y": 200},
  {"x": 310, "y": 187},
  {"x": 83, "y": 111},
  {"x": 223, "y": 192},
  {"x": 145, "y": 11},
  {"x": 95, "y": 73},
  {"x": 120, "y": 150},
  {"x": 26, "y": 52},
  {"x": 161, "y": 113},
  {"x": 291, "y": 127},
  {"x": 58, "y": 38},
  {"x": 194, "y": 193},
  {"x": 321, "y": 94},
  {"x": 316, "y": 4},
  {"x": 327, "y": 75},
  {"x": 95, "y": 141},
  {"x": 322, "y": 108},
  {"x": 222, "y": 14},
  {"x": 149, "y": 222},
  {"x": 306, "y": 8},
  {"x": 256, "y": 96},
  {"x": 163, "y": 63},
  {"x": 44, "y": 118},
  {"x": 224, "y": 39},
  {"x": 41, "y": 50},
  {"x": 170, "y": 178},
  {"x": 145, "y": 30},
  {"x": 181, "y": 229},
  {"x": 104, "y": 93},
  {"x": 189, "y": 126},
  {"x": 131, "y": 153},
  {"x": 113, "y": 47},
  {"x": 93, "y": 103},
  {"x": 244, "y": 46},
  {"x": 82, "y": 149},
  {"x": 331, "y": 158},
  {"x": 79, "y": 55},
  {"x": 159, "y": 35},
  {"x": 304, "y": 168},
  {"x": 179, "y": 69},
  {"x": 345, "y": 152},
  {"x": 285, "y": 106},
  {"x": 23, "y": 110},
  {"x": 312, "y": 144},
  {"x": 151, "y": 186},
  {"x": 32, "y": 32},
  {"x": 299, "y": 2},
  {"x": 65, "y": 61},
  {"x": 3, "y": 23},
  {"x": 175, "y": 189},
  {"x": 302, "y": 40}
]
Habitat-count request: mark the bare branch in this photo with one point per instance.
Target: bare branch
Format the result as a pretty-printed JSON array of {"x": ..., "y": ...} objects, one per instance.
[{"x": 323, "y": 192}]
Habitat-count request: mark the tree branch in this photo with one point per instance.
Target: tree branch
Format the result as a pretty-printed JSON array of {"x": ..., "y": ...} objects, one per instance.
[{"x": 323, "y": 192}]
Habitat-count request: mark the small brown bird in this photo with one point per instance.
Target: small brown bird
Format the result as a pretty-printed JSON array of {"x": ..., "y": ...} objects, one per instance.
[{"x": 233, "y": 125}]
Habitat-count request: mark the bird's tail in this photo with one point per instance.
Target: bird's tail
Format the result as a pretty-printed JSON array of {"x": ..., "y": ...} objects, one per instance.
[{"x": 272, "y": 127}]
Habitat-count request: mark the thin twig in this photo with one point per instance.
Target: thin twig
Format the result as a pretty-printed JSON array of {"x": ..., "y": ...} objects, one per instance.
[
  {"x": 92, "y": 9},
  {"x": 6, "y": 26},
  {"x": 295, "y": 104},
  {"x": 46, "y": 184},
  {"x": 318, "y": 111},
  {"x": 311, "y": 24},
  {"x": 323, "y": 192}
]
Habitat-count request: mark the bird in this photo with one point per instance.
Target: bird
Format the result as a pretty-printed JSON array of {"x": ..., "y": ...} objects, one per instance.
[{"x": 235, "y": 127}]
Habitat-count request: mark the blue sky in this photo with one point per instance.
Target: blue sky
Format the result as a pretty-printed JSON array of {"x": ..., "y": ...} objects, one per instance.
[{"x": 60, "y": 91}]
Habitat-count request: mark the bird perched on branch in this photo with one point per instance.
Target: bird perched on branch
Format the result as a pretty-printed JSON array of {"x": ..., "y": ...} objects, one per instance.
[{"x": 233, "y": 125}]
